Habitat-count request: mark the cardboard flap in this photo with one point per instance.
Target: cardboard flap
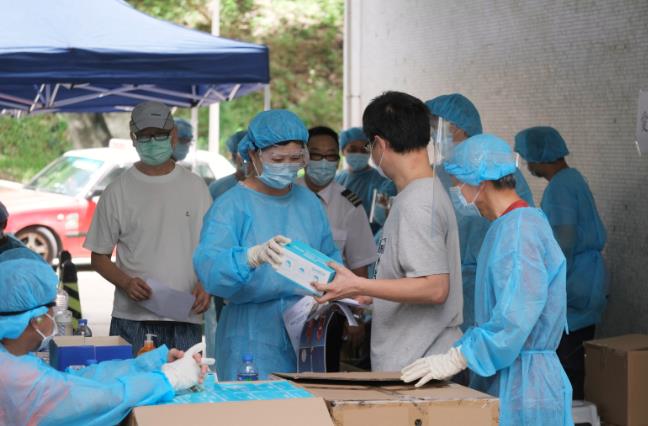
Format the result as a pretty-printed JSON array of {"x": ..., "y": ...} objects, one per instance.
[
  {"x": 367, "y": 378},
  {"x": 350, "y": 393},
  {"x": 627, "y": 343},
  {"x": 286, "y": 412}
]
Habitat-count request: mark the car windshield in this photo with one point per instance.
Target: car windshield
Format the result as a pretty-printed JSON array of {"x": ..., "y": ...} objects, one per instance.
[{"x": 67, "y": 175}]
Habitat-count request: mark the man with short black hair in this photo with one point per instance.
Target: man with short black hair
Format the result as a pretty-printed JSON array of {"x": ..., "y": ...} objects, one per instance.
[{"x": 417, "y": 290}]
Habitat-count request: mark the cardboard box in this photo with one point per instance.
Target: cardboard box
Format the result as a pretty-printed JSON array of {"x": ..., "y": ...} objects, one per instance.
[
  {"x": 303, "y": 265},
  {"x": 616, "y": 378},
  {"x": 280, "y": 412},
  {"x": 76, "y": 350},
  {"x": 381, "y": 399}
]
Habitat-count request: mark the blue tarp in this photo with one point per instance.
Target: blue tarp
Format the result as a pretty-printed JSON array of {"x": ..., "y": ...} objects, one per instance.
[{"x": 103, "y": 55}]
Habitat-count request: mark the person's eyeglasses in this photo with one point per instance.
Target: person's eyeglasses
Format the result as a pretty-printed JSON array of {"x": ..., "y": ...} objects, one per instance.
[
  {"x": 289, "y": 157},
  {"x": 329, "y": 157},
  {"x": 146, "y": 139}
]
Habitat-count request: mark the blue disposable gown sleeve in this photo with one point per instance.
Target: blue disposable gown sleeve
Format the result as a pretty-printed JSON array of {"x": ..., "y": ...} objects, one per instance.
[
  {"x": 522, "y": 188},
  {"x": 220, "y": 262},
  {"x": 521, "y": 290},
  {"x": 109, "y": 370},
  {"x": 35, "y": 393}
]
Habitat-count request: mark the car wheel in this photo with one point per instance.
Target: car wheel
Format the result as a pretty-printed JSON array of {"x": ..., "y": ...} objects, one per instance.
[{"x": 40, "y": 240}]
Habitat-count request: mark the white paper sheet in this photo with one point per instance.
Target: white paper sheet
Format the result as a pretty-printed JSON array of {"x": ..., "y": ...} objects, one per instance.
[
  {"x": 354, "y": 303},
  {"x": 167, "y": 302},
  {"x": 295, "y": 317}
]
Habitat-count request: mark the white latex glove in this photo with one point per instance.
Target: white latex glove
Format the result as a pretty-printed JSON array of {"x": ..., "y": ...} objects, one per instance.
[
  {"x": 185, "y": 372},
  {"x": 437, "y": 367},
  {"x": 269, "y": 252}
]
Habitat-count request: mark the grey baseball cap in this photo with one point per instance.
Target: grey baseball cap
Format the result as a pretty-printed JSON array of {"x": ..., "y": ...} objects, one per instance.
[{"x": 151, "y": 114}]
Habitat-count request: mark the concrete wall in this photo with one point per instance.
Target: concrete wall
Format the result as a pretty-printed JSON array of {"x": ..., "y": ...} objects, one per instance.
[{"x": 575, "y": 65}]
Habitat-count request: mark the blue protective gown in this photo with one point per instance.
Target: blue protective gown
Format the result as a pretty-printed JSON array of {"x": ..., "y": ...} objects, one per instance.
[
  {"x": 472, "y": 231},
  {"x": 252, "y": 321},
  {"x": 218, "y": 187},
  {"x": 102, "y": 394},
  {"x": 363, "y": 183},
  {"x": 520, "y": 304},
  {"x": 571, "y": 210}
]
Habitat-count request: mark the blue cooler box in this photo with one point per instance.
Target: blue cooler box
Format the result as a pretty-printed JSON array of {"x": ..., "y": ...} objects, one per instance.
[{"x": 77, "y": 350}]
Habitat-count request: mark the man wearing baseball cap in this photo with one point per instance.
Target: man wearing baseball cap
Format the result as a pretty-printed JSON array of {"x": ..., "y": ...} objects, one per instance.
[{"x": 153, "y": 214}]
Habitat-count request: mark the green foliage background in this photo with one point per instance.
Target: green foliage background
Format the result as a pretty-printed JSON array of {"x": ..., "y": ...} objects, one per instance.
[
  {"x": 28, "y": 144},
  {"x": 305, "y": 42}
]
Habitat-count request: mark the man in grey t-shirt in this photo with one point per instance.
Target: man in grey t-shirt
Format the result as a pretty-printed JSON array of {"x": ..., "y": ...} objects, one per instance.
[{"x": 418, "y": 298}]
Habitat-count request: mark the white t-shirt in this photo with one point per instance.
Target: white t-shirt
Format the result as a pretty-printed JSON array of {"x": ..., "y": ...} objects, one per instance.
[
  {"x": 349, "y": 225},
  {"x": 155, "y": 222}
]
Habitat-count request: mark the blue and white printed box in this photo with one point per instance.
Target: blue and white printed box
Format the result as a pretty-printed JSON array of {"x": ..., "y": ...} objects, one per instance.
[{"x": 304, "y": 265}]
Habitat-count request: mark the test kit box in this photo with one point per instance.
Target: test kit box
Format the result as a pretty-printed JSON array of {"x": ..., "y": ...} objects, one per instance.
[
  {"x": 309, "y": 411},
  {"x": 616, "y": 378},
  {"x": 77, "y": 350},
  {"x": 382, "y": 399},
  {"x": 304, "y": 265}
]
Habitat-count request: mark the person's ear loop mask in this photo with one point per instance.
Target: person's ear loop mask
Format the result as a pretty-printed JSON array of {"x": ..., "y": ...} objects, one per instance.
[{"x": 44, "y": 345}]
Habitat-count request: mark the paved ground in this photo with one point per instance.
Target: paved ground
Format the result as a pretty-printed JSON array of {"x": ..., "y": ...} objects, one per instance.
[{"x": 96, "y": 301}]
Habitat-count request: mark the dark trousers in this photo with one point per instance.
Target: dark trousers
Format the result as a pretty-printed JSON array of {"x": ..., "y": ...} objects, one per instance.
[
  {"x": 572, "y": 357},
  {"x": 179, "y": 335}
]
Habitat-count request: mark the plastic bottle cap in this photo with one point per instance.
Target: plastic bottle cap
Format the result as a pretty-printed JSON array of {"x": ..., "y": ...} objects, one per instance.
[
  {"x": 83, "y": 322},
  {"x": 248, "y": 358}
]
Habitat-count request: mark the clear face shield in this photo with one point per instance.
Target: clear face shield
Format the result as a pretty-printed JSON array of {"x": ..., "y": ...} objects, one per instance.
[
  {"x": 380, "y": 205},
  {"x": 441, "y": 140}
]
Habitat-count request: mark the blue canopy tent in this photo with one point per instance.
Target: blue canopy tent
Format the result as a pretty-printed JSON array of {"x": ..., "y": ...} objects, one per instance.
[{"x": 103, "y": 56}]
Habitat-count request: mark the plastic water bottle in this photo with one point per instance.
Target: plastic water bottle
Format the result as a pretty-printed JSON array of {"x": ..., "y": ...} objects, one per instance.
[
  {"x": 247, "y": 372},
  {"x": 83, "y": 329},
  {"x": 61, "y": 300},
  {"x": 63, "y": 321}
]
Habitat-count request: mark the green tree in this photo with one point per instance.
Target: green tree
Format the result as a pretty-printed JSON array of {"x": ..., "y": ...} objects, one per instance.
[
  {"x": 305, "y": 41},
  {"x": 27, "y": 144}
]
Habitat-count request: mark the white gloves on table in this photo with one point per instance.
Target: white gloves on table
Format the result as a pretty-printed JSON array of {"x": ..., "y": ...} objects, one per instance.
[
  {"x": 184, "y": 372},
  {"x": 269, "y": 252},
  {"x": 437, "y": 367}
]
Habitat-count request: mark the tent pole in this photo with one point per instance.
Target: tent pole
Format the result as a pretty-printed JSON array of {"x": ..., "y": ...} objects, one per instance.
[
  {"x": 194, "y": 146},
  {"x": 214, "y": 109},
  {"x": 266, "y": 97}
]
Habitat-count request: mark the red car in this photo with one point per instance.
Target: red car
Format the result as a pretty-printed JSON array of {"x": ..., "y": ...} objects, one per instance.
[{"x": 53, "y": 212}]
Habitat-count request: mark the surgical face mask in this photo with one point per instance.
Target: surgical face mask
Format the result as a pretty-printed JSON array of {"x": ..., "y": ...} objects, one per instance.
[
  {"x": 279, "y": 175},
  {"x": 180, "y": 151},
  {"x": 380, "y": 170},
  {"x": 44, "y": 345},
  {"x": 321, "y": 172},
  {"x": 154, "y": 152},
  {"x": 461, "y": 205},
  {"x": 357, "y": 161}
]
